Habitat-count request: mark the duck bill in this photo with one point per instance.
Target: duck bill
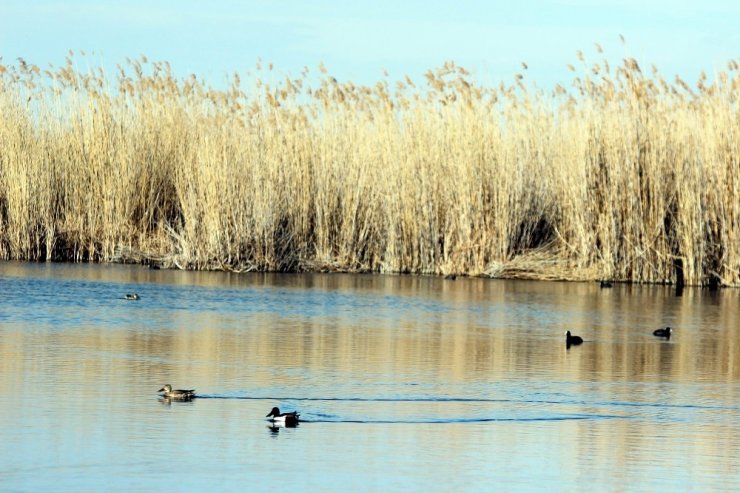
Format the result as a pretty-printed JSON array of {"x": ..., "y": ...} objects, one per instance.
[{"x": 161, "y": 390}]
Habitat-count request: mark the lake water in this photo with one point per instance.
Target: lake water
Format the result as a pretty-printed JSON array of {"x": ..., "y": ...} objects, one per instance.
[{"x": 405, "y": 383}]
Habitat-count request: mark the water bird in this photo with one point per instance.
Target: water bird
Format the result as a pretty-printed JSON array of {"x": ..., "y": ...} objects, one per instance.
[
  {"x": 663, "y": 333},
  {"x": 289, "y": 419},
  {"x": 177, "y": 394},
  {"x": 572, "y": 340},
  {"x": 606, "y": 284},
  {"x": 131, "y": 296},
  {"x": 451, "y": 277}
]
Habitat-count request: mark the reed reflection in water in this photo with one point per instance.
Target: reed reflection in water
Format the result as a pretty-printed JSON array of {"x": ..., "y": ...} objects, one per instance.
[{"x": 405, "y": 383}]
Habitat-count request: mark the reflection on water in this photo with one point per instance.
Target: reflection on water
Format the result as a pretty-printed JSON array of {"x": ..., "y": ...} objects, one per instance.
[{"x": 405, "y": 383}]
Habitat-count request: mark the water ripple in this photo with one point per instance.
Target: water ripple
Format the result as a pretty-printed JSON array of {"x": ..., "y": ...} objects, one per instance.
[
  {"x": 574, "y": 417},
  {"x": 474, "y": 399}
]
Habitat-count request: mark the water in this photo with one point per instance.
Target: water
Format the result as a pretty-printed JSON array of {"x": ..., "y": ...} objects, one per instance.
[{"x": 405, "y": 383}]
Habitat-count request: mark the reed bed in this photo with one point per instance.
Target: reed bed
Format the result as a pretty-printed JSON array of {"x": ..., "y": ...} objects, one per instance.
[{"x": 618, "y": 176}]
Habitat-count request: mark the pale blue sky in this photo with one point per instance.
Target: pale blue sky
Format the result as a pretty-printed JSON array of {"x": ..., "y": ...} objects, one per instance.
[{"x": 356, "y": 40}]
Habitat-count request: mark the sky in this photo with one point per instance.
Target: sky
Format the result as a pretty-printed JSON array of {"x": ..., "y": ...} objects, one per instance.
[{"x": 359, "y": 40}]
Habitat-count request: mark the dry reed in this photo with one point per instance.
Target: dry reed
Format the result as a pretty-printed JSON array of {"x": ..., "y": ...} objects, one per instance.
[{"x": 617, "y": 177}]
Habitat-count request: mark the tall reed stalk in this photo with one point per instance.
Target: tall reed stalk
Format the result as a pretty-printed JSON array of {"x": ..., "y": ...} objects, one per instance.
[{"x": 617, "y": 177}]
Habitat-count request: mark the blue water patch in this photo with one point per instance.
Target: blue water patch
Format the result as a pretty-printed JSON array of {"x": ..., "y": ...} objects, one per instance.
[{"x": 403, "y": 383}]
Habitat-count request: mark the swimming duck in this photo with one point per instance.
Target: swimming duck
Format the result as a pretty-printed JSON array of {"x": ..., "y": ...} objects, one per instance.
[
  {"x": 131, "y": 296},
  {"x": 177, "y": 394},
  {"x": 289, "y": 419},
  {"x": 663, "y": 333},
  {"x": 572, "y": 340},
  {"x": 606, "y": 284}
]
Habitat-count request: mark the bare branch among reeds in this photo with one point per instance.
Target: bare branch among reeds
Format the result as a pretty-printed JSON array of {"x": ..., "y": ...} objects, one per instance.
[{"x": 617, "y": 178}]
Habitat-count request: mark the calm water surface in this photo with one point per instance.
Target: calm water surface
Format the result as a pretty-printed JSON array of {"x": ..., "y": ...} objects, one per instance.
[{"x": 405, "y": 383}]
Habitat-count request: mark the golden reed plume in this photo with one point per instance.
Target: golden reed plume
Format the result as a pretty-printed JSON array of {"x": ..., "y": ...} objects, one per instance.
[{"x": 618, "y": 177}]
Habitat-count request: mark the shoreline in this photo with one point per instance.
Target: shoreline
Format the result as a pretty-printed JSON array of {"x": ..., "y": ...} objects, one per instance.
[{"x": 513, "y": 273}]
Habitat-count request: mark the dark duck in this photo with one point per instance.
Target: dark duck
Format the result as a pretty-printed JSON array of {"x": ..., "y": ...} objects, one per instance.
[{"x": 571, "y": 340}]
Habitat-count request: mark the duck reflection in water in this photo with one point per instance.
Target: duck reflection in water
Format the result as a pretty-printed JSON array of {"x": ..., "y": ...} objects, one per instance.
[
  {"x": 276, "y": 427},
  {"x": 167, "y": 401}
]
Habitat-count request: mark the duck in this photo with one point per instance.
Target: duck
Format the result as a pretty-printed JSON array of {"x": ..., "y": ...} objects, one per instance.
[
  {"x": 606, "y": 284},
  {"x": 288, "y": 419},
  {"x": 663, "y": 333},
  {"x": 571, "y": 340},
  {"x": 131, "y": 296},
  {"x": 177, "y": 394}
]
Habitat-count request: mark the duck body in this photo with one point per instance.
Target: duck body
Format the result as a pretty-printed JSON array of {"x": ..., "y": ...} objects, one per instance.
[
  {"x": 571, "y": 340},
  {"x": 177, "y": 394},
  {"x": 131, "y": 296},
  {"x": 287, "y": 419},
  {"x": 663, "y": 333},
  {"x": 606, "y": 284}
]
